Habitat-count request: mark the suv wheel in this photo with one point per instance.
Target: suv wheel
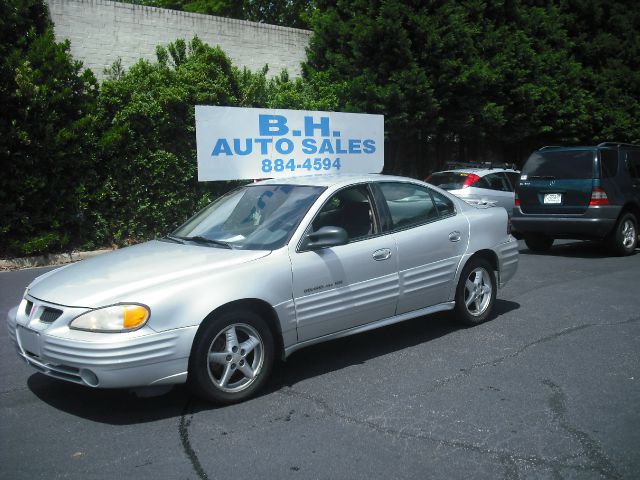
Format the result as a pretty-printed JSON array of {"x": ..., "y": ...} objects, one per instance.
[
  {"x": 624, "y": 238},
  {"x": 538, "y": 243},
  {"x": 231, "y": 358}
]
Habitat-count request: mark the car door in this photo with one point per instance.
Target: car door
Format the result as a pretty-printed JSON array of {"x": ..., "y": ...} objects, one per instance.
[
  {"x": 345, "y": 286},
  {"x": 431, "y": 238}
]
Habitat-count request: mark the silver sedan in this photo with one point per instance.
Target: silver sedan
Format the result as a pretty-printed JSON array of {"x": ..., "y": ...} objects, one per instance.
[
  {"x": 267, "y": 269},
  {"x": 490, "y": 185}
]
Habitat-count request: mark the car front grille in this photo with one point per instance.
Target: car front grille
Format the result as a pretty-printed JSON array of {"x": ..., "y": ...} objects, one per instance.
[{"x": 50, "y": 315}]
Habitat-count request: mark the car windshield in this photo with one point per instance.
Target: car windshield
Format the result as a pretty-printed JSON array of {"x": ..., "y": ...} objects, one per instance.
[
  {"x": 448, "y": 180},
  {"x": 572, "y": 164},
  {"x": 253, "y": 217}
]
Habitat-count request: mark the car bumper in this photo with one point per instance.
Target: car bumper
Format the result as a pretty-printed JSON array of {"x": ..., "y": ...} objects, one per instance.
[
  {"x": 508, "y": 256},
  {"x": 106, "y": 360},
  {"x": 596, "y": 222}
]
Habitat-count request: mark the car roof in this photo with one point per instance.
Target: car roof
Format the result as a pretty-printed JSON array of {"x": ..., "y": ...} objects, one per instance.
[
  {"x": 334, "y": 180},
  {"x": 590, "y": 147},
  {"x": 478, "y": 171}
]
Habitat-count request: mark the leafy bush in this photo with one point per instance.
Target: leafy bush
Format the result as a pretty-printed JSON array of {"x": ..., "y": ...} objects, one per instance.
[
  {"x": 44, "y": 134},
  {"x": 145, "y": 126},
  {"x": 88, "y": 167}
]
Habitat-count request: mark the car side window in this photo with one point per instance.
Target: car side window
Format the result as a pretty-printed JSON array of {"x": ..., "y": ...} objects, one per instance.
[
  {"x": 498, "y": 182},
  {"x": 633, "y": 163},
  {"x": 608, "y": 163},
  {"x": 481, "y": 182},
  {"x": 409, "y": 205},
  {"x": 443, "y": 204},
  {"x": 351, "y": 209}
]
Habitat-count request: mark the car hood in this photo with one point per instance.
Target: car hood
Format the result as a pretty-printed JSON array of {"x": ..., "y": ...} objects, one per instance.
[{"x": 113, "y": 276}]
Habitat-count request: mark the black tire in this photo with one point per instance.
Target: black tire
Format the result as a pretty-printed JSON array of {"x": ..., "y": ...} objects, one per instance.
[
  {"x": 538, "y": 243},
  {"x": 623, "y": 240},
  {"x": 228, "y": 379},
  {"x": 475, "y": 304}
]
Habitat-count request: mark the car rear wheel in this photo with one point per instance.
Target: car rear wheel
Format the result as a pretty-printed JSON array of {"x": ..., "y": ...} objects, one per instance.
[
  {"x": 624, "y": 238},
  {"x": 231, "y": 358},
  {"x": 476, "y": 292},
  {"x": 538, "y": 243}
]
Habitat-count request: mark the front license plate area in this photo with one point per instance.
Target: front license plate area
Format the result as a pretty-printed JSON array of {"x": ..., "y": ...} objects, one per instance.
[
  {"x": 552, "y": 198},
  {"x": 29, "y": 341}
]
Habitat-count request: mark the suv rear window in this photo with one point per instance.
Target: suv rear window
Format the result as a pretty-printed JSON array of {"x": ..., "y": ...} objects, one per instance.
[{"x": 572, "y": 164}]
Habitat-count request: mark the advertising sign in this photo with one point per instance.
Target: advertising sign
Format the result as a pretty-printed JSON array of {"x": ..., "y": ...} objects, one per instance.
[{"x": 252, "y": 143}]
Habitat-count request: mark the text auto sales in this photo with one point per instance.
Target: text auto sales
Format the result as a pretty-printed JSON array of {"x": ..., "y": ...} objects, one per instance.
[{"x": 273, "y": 130}]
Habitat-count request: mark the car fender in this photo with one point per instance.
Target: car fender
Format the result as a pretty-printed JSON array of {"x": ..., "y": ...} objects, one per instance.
[
  {"x": 488, "y": 233},
  {"x": 267, "y": 279}
]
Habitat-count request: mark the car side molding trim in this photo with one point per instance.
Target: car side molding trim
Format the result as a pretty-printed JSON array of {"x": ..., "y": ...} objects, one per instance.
[{"x": 441, "y": 307}]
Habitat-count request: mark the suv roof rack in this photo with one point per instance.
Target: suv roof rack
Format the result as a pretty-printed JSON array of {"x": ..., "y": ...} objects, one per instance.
[
  {"x": 617, "y": 144},
  {"x": 480, "y": 165},
  {"x": 455, "y": 164}
]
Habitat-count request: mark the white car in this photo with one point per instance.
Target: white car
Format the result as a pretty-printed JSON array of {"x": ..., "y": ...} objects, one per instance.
[
  {"x": 267, "y": 269},
  {"x": 480, "y": 185}
]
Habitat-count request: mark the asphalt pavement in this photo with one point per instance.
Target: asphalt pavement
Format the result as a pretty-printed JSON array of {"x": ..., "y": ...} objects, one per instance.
[{"x": 549, "y": 388}]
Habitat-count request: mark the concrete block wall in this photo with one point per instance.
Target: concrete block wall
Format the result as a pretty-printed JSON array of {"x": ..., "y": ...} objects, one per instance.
[{"x": 101, "y": 31}]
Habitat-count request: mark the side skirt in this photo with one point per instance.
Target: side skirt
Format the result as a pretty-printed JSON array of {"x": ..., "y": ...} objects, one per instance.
[{"x": 441, "y": 307}]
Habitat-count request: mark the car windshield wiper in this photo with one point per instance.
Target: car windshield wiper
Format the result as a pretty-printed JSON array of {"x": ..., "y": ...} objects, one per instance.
[
  {"x": 173, "y": 239},
  {"x": 206, "y": 241}
]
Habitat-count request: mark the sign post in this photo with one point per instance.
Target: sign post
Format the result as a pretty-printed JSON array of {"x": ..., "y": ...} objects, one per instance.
[{"x": 245, "y": 143}]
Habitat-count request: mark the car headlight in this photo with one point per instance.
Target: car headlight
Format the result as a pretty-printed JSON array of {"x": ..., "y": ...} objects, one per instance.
[{"x": 116, "y": 318}]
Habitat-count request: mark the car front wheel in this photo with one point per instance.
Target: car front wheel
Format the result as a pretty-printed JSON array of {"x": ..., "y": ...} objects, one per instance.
[
  {"x": 232, "y": 357},
  {"x": 476, "y": 292},
  {"x": 624, "y": 238}
]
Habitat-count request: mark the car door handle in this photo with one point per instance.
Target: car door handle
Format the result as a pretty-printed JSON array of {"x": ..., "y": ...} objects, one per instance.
[
  {"x": 382, "y": 254},
  {"x": 454, "y": 236}
]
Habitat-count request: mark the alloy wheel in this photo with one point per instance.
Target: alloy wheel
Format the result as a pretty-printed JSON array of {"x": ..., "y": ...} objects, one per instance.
[
  {"x": 477, "y": 291},
  {"x": 235, "y": 357}
]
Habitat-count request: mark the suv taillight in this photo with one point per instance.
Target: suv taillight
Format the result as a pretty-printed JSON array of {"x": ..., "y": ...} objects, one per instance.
[
  {"x": 516, "y": 202},
  {"x": 598, "y": 197},
  {"x": 471, "y": 179}
]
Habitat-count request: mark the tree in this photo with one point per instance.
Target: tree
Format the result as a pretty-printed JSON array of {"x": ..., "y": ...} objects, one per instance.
[
  {"x": 606, "y": 41},
  {"x": 147, "y": 145},
  {"x": 44, "y": 135},
  {"x": 287, "y": 13},
  {"x": 482, "y": 77}
]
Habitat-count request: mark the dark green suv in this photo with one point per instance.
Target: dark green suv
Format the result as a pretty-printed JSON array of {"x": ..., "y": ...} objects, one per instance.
[{"x": 580, "y": 192}]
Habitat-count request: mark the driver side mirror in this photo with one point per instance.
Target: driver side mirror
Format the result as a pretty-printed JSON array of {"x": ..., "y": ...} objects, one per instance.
[{"x": 325, "y": 237}]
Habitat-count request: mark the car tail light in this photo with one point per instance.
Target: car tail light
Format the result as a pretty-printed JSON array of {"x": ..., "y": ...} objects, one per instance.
[
  {"x": 516, "y": 200},
  {"x": 471, "y": 179},
  {"x": 598, "y": 197}
]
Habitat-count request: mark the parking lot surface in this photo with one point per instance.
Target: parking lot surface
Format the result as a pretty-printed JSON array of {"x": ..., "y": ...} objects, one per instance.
[{"x": 549, "y": 388}]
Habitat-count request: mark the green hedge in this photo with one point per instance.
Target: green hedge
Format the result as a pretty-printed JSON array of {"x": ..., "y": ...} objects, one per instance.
[{"x": 87, "y": 165}]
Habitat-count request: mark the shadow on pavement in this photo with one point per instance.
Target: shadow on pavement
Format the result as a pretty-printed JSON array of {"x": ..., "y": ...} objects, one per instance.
[
  {"x": 576, "y": 249},
  {"x": 115, "y": 407},
  {"x": 122, "y": 407},
  {"x": 357, "y": 349}
]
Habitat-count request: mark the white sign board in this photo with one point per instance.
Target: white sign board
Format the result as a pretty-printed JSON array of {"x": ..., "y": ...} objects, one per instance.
[{"x": 245, "y": 143}]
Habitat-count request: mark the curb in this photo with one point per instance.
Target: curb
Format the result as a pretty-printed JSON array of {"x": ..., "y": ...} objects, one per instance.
[{"x": 48, "y": 260}]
